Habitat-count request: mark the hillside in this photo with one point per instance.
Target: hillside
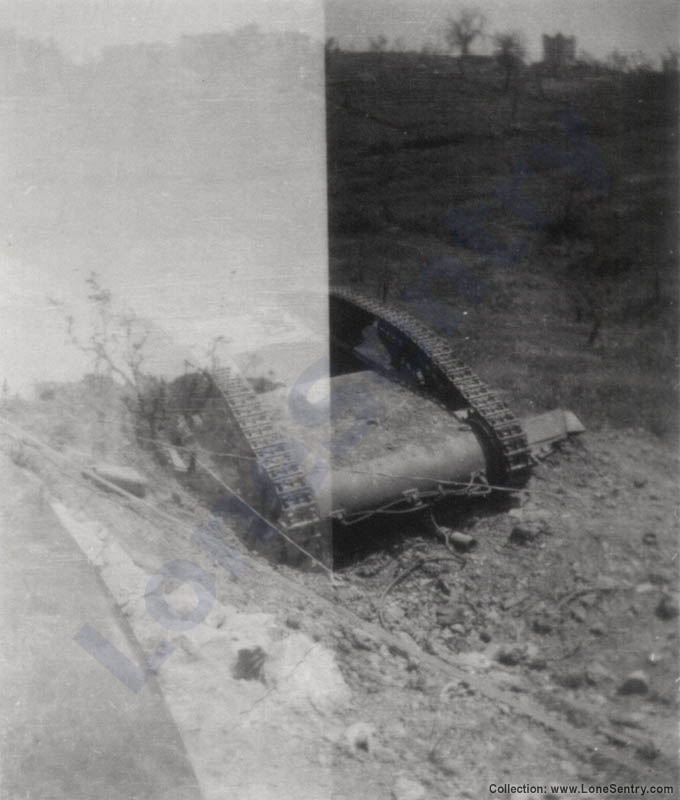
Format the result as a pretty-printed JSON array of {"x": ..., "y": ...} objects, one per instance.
[
  {"x": 536, "y": 229},
  {"x": 545, "y": 657},
  {"x": 538, "y": 226}
]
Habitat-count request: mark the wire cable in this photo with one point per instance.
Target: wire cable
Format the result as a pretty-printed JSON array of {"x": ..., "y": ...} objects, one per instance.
[{"x": 25, "y": 435}]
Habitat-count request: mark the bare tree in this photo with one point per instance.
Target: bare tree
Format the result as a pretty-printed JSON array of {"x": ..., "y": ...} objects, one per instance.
[
  {"x": 510, "y": 52},
  {"x": 670, "y": 60},
  {"x": 640, "y": 62},
  {"x": 116, "y": 343},
  {"x": 618, "y": 61},
  {"x": 379, "y": 44},
  {"x": 332, "y": 45},
  {"x": 462, "y": 30}
]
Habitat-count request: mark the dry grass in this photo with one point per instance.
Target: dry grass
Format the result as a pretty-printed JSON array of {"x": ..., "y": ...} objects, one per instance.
[{"x": 596, "y": 258}]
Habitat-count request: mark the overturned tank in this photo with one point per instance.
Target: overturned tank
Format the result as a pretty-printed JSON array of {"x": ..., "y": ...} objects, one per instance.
[{"x": 388, "y": 421}]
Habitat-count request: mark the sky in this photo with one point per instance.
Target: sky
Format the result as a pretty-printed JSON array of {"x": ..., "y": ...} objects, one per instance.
[
  {"x": 66, "y": 226},
  {"x": 82, "y": 27},
  {"x": 599, "y": 25},
  {"x": 197, "y": 213}
]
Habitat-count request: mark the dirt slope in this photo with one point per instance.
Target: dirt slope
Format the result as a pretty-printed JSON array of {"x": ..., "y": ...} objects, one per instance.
[{"x": 511, "y": 668}]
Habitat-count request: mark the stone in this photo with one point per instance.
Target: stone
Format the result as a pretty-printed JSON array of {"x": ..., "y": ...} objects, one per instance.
[
  {"x": 530, "y": 513},
  {"x": 387, "y": 755},
  {"x": 177, "y": 462},
  {"x": 568, "y": 768},
  {"x": 533, "y": 657},
  {"x": 474, "y": 661},
  {"x": 507, "y": 654},
  {"x": 635, "y": 683},
  {"x": 598, "y": 629},
  {"x": 450, "y": 614},
  {"x": 640, "y": 482},
  {"x": 444, "y": 762},
  {"x": 667, "y": 607},
  {"x": 531, "y": 522},
  {"x": 407, "y": 789},
  {"x": 522, "y": 534},
  {"x": 404, "y": 648},
  {"x": 648, "y": 751},
  {"x": 361, "y": 640},
  {"x": 361, "y": 736},
  {"x": 661, "y": 576},
  {"x": 125, "y": 478},
  {"x": 461, "y": 541},
  {"x": 596, "y": 674},
  {"x": 249, "y": 664},
  {"x": 305, "y": 674},
  {"x": 632, "y": 720},
  {"x": 571, "y": 680},
  {"x": 394, "y": 612},
  {"x": 543, "y": 623}
]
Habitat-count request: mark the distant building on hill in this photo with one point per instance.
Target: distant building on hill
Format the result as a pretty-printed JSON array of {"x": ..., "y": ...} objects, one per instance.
[
  {"x": 559, "y": 53},
  {"x": 669, "y": 63}
]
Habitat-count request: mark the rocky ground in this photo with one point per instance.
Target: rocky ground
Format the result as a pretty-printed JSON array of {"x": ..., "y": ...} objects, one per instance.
[{"x": 545, "y": 655}]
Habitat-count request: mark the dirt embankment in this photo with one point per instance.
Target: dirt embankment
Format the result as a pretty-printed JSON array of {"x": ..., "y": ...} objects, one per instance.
[{"x": 548, "y": 656}]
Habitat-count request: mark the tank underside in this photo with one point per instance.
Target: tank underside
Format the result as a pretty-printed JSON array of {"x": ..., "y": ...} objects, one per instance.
[{"x": 391, "y": 421}]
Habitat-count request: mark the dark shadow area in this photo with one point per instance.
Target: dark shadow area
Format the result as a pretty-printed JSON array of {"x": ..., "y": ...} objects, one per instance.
[{"x": 393, "y": 534}]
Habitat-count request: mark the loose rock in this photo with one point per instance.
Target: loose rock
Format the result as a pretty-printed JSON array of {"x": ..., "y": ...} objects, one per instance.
[
  {"x": 361, "y": 736},
  {"x": 633, "y": 720},
  {"x": 635, "y": 683},
  {"x": 543, "y": 623},
  {"x": 461, "y": 541},
  {"x": 361, "y": 640},
  {"x": 533, "y": 658},
  {"x": 451, "y": 614},
  {"x": 531, "y": 523},
  {"x": 521, "y": 534},
  {"x": 249, "y": 664},
  {"x": 445, "y": 762},
  {"x": 509, "y": 655},
  {"x": 124, "y": 477},
  {"x": 661, "y": 576},
  {"x": 571, "y": 680},
  {"x": 408, "y": 789},
  {"x": 596, "y": 674},
  {"x": 667, "y": 607}
]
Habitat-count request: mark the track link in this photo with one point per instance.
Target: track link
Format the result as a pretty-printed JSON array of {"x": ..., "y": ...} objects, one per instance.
[
  {"x": 429, "y": 357},
  {"x": 299, "y": 512}
]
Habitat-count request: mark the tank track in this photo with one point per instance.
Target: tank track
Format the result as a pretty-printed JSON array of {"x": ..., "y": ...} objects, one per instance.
[
  {"x": 299, "y": 513},
  {"x": 428, "y": 356}
]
